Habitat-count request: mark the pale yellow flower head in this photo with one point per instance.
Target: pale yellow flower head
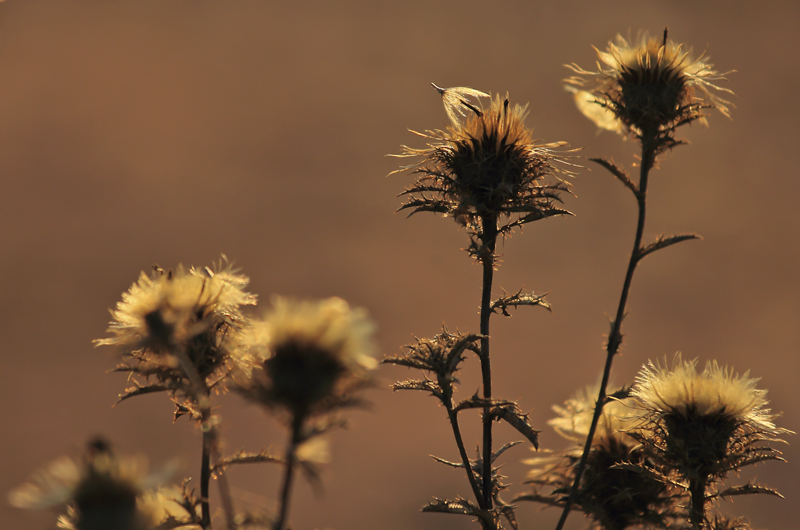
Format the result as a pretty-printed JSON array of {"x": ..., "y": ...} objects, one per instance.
[
  {"x": 716, "y": 391},
  {"x": 575, "y": 417},
  {"x": 305, "y": 352},
  {"x": 648, "y": 85},
  {"x": 169, "y": 308}
]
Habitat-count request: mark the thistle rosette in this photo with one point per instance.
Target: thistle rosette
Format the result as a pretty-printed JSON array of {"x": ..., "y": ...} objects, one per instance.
[{"x": 647, "y": 87}]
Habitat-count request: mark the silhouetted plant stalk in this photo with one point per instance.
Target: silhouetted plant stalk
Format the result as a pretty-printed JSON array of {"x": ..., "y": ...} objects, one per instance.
[
  {"x": 646, "y": 90},
  {"x": 488, "y": 173}
]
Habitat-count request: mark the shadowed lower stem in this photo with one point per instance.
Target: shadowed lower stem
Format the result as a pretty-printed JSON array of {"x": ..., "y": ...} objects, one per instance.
[
  {"x": 615, "y": 337},
  {"x": 291, "y": 459},
  {"x": 489, "y": 241}
]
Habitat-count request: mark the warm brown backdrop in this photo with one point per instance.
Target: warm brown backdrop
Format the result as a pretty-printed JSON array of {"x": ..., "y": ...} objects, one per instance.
[{"x": 173, "y": 130}]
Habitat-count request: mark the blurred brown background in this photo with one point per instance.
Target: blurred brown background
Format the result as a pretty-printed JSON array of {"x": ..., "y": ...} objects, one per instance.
[{"x": 172, "y": 131}]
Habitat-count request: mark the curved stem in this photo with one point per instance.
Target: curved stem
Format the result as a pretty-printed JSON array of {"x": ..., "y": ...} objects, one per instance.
[
  {"x": 489, "y": 241},
  {"x": 291, "y": 459},
  {"x": 615, "y": 337},
  {"x": 476, "y": 488}
]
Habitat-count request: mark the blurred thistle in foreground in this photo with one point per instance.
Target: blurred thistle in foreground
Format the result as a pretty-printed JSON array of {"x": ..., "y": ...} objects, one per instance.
[
  {"x": 613, "y": 493},
  {"x": 176, "y": 327},
  {"x": 173, "y": 314},
  {"x": 485, "y": 168},
  {"x": 705, "y": 426},
  {"x": 648, "y": 88},
  {"x": 106, "y": 492},
  {"x": 304, "y": 359}
]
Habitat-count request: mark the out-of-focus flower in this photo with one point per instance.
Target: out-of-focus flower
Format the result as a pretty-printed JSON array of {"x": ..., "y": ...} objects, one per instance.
[
  {"x": 618, "y": 489},
  {"x": 486, "y": 167},
  {"x": 165, "y": 314},
  {"x": 307, "y": 356},
  {"x": 575, "y": 417},
  {"x": 102, "y": 492},
  {"x": 649, "y": 86}
]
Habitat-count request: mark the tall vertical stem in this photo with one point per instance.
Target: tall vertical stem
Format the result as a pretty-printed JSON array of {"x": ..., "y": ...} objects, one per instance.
[
  {"x": 615, "y": 337},
  {"x": 205, "y": 476},
  {"x": 291, "y": 459},
  {"x": 489, "y": 241}
]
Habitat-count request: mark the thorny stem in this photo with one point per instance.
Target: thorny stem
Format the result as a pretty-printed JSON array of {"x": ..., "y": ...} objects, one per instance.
[
  {"x": 488, "y": 240},
  {"x": 476, "y": 489},
  {"x": 291, "y": 459},
  {"x": 615, "y": 337},
  {"x": 202, "y": 399}
]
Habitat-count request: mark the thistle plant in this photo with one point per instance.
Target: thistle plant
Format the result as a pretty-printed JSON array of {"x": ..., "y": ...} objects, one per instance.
[
  {"x": 622, "y": 485},
  {"x": 489, "y": 174},
  {"x": 646, "y": 91},
  {"x": 704, "y": 426},
  {"x": 173, "y": 331},
  {"x": 104, "y": 491},
  {"x": 304, "y": 360}
]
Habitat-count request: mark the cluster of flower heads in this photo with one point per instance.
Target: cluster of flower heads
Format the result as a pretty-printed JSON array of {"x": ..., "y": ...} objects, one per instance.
[
  {"x": 302, "y": 353},
  {"x": 675, "y": 430},
  {"x": 647, "y": 87},
  {"x": 485, "y": 170}
]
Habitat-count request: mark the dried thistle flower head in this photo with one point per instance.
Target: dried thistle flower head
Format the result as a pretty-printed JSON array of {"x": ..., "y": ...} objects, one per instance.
[
  {"x": 170, "y": 312},
  {"x": 650, "y": 87},
  {"x": 618, "y": 489},
  {"x": 307, "y": 356},
  {"x": 707, "y": 423},
  {"x": 486, "y": 167},
  {"x": 103, "y": 491}
]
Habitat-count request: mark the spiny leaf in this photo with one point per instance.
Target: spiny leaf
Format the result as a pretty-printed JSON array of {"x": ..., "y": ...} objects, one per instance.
[
  {"x": 263, "y": 456},
  {"x": 664, "y": 242},
  {"x": 516, "y": 300},
  {"x": 512, "y": 415},
  {"x": 748, "y": 489},
  {"x": 618, "y": 172}
]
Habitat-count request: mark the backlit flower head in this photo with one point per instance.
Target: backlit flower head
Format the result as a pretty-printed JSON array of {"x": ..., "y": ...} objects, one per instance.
[
  {"x": 613, "y": 497},
  {"x": 486, "y": 167},
  {"x": 304, "y": 356},
  {"x": 575, "y": 416},
  {"x": 707, "y": 423},
  {"x": 650, "y": 86},
  {"x": 190, "y": 311},
  {"x": 101, "y": 491}
]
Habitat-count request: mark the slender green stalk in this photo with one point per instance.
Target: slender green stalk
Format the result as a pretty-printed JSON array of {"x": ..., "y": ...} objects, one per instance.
[
  {"x": 288, "y": 476},
  {"x": 615, "y": 337},
  {"x": 489, "y": 241}
]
